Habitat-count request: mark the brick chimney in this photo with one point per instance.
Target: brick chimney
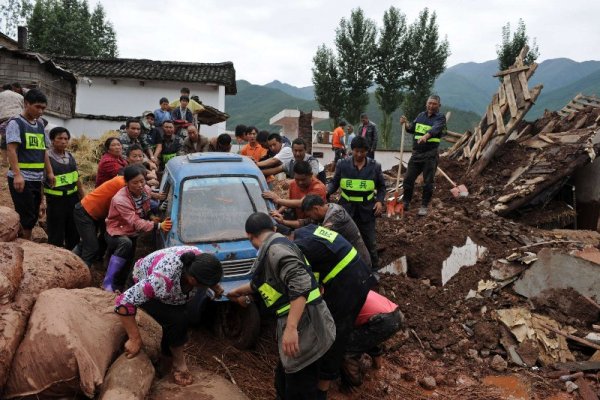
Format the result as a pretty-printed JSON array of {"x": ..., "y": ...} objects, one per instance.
[{"x": 22, "y": 37}]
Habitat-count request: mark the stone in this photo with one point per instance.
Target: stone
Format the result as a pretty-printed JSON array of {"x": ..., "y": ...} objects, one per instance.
[
  {"x": 549, "y": 272},
  {"x": 38, "y": 235},
  {"x": 471, "y": 353},
  {"x": 9, "y": 228},
  {"x": 571, "y": 386},
  {"x": 128, "y": 378},
  {"x": 498, "y": 363},
  {"x": 408, "y": 377},
  {"x": 428, "y": 383}
]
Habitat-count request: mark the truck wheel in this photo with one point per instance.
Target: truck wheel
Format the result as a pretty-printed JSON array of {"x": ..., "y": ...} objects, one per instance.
[{"x": 241, "y": 326}]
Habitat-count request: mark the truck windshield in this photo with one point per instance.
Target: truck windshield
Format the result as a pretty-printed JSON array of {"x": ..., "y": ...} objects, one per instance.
[{"x": 215, "y": 209}]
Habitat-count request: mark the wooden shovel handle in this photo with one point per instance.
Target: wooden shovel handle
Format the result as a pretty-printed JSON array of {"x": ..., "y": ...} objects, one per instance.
[{"x": 446, "y": 176}]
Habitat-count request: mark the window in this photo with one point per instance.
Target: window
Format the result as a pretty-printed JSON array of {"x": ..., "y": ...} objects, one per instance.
[{"x": 215, "y": 209}]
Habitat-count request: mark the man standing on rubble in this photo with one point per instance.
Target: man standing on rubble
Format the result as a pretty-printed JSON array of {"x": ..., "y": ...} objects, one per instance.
[
  {"x": 362, "y": 192},
  {"x": 428, "y": 129}
]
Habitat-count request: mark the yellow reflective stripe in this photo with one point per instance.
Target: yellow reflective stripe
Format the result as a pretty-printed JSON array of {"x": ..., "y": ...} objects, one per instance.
[
  {"x": 433, "y": 140},
  {"x": 31, "y": 165},
  {"x": 167, "y": 157},
  {"x": 35, "y": 141},
  {"x": 341, "y": 265},
  {"x": 269, "y": 294},
  {"x": 325, "y": 233},
  {"x": 312, "y": 296},
  {"x": 358, "y": 185},
  {"x": 422, "y": 128},
  {"x": 60, "y": 193},
  {"x": 357, "y": 198},
  {"x": 317, "y": 276},
  {"x": 66, "y": 179}
]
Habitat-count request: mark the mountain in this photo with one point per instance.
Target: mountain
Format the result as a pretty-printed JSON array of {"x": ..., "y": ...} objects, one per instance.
[
  {"x": 470, "y": 86},
  {"x": 255, "y": 105},
  {"x": 306, "y": 93}
]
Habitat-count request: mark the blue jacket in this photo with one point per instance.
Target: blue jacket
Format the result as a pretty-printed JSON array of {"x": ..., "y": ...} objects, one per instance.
[{"x": 176, "y": 114}]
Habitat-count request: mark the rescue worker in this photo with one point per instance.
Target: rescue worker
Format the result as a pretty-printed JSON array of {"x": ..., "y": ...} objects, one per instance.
[
  {"x": 67, "y": 192},
  {"x": 378, "y": 320},
  {"x": 359, "y": 177},
  {"x": 345, "y": 279},
  {"x": 287, "y": 288},
  {"x": 331, "y": 216},
  {"x": 428, "y": 129}
]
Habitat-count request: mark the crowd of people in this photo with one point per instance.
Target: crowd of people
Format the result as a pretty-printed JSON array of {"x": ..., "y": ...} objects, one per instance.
[{"x": 317, "y": 261}]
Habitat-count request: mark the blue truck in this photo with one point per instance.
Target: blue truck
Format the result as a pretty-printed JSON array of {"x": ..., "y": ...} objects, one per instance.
[{"x": 209, "y": 198}]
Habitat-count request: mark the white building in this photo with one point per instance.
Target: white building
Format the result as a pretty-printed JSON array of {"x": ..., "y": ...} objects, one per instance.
[{"x": 108, "y": 91}]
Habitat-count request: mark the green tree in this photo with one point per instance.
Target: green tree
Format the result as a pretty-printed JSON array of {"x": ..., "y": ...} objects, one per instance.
[
  {"x": 427, "y": 59},
  {"x": 329, "y": 91},
  {"x": 391, "y": 68},
  {"x": 66, "y": 27},
  {"x": 355, "y": 43},
  {"x": 510, "y": 47},
  {"x": 12, "y": 14}
]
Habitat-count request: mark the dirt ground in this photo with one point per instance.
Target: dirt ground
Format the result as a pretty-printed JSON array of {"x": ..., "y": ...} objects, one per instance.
[{"x": 447, "y": 337}]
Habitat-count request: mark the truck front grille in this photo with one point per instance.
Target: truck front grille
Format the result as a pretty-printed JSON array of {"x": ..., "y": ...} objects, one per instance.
[{"x": 237, "y": 267}]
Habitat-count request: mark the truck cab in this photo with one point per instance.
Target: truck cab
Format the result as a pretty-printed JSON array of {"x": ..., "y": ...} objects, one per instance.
[{"x": 209, "y": 198}]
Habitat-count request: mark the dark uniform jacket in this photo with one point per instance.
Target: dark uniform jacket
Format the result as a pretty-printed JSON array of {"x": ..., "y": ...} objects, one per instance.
[
  {"x": 435, "y": 125},
  {"x": 358, "y": 195}
]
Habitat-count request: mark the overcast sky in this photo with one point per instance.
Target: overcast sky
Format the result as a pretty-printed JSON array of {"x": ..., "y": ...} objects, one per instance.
[{"x": 268, "y": 40}]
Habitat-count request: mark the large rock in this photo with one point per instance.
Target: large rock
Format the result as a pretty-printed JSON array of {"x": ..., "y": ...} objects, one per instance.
[
  {"x": 9, "y": 228},
  {"x": 128, "y": 378},
  {"x": 11, "y": 270},
  {"x": 72, "y": 338},
  {"x": 206, "y": 385},
  {"x": 44, "y": 267}
]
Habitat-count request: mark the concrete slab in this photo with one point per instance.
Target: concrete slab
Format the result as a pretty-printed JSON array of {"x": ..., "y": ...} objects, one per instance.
[
  {"x": 466, "y": 255},
  {"x": 557, "y": 270}
]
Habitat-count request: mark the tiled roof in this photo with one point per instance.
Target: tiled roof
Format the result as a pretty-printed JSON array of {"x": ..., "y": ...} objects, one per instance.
[{"x": 219, "y": 73}]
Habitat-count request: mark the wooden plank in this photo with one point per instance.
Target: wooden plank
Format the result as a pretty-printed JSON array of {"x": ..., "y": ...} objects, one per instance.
[
  {"x": 510, "y": 97},
  {"x": 455, "y": 134},
  {"x": 524, "y": 86},
  {"x": 511, "y": 71},
  {"x": 518, "y": 91},
  {"x": 501, "y": 96},
  {"x": 579, "y": 366},
  {"x": 451, "y": 139},
  {"x": 490, "y": 112},
  {"x": 549, "y": 126},
  {"x": 587, "y": 103},
  {"x": 580, "y": 122},
  {"x": 499, "y": 120}
]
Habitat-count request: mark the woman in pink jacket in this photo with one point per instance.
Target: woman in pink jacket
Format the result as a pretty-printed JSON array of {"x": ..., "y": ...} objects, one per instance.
[{"x": 128, "y": 216}]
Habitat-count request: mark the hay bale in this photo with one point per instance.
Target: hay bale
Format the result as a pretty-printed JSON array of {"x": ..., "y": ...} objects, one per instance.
[
  {"x": 11, "y": 271},
  {"x": 9, "y": 228}
]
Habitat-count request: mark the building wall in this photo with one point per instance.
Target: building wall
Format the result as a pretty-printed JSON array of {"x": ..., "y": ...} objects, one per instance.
[
  {"x": 132, "y": 97},
  {"x": 30, "y": 73}
]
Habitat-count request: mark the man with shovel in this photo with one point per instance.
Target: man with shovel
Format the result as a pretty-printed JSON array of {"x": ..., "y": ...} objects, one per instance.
[{"x": 428, "y": 128}]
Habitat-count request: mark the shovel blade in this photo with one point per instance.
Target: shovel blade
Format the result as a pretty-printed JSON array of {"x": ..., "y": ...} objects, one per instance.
[
  {"x": 464, "y": 192},
  {"x": 455, "y": 191}
]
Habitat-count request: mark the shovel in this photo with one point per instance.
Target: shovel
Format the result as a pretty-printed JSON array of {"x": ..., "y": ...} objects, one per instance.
[
  {"x": 457, "y": 191},
  {"x": 394, "y": 205}
]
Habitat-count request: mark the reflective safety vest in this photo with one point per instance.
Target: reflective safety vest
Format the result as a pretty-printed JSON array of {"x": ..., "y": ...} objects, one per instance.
[
  {"x": 421, "y": 130},
  {"x": 274, "y": 300},
  {"x": 66, "y": 178},
  {"x": 357, "y": 190},
  {"x": 167, "y": 157},
  {"x": 32, "y": 149},
  {"x": 344, "y": 251}
]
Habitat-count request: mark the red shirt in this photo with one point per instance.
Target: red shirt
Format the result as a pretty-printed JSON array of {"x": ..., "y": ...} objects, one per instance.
[
  {"x": 374, "y": 304},
  {"x": 338, "y": 134},
  {"x": 315, "y": 187},
  {"x": 109, "y": 167}
]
